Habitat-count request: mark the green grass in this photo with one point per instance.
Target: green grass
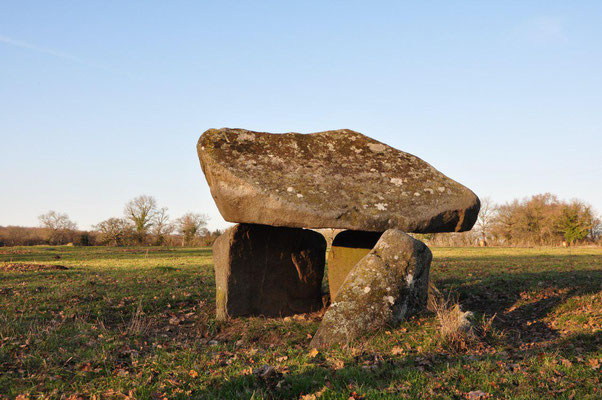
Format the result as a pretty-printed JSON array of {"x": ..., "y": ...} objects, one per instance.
[{"x": 131, "y": 322}]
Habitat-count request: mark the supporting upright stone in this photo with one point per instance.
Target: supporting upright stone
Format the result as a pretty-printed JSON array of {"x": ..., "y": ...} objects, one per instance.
[
  {"x": 269, "y": 271},
  {"x": 348, "y": 248},
  {"x": 385, "y": 287}
]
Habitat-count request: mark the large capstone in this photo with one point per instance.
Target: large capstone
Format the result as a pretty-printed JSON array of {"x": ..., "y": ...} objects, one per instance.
[
  {"x": 384, "y": 288},
  {"x": 333, "y": 179},
  {"x": 348, "y": 248},
  {"x": 269, "y": 271}
]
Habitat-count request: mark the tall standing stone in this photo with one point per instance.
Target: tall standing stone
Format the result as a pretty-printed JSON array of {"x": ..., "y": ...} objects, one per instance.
[
  {"x": 269, "y": 271},
  {"x": 385, "y": 287}
]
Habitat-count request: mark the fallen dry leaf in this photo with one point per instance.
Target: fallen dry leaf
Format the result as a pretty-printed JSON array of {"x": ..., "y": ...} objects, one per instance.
[
  {"x": 314, "y": 396},
  {"x": 336, "y": 364},
  {"x": 476, "y": 395}
]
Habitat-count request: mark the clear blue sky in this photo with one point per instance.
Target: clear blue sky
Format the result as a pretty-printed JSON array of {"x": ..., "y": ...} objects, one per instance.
[{"x": 101, "y": 101}]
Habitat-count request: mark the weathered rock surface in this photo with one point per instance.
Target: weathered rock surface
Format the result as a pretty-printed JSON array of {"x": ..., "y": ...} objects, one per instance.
[
  {"x": 385, "y": 287},
  {"x": 332, "y": 179},
  {"x": 270, "y": 271},
  {"x": 348, "y": 248}
]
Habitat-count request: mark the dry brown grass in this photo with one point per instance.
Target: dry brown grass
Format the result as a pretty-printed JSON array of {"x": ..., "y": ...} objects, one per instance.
[
  {"x": 459, "y": 330},
  {"x": 139, "y": 323},
  {"x": 455, "y": 325}
]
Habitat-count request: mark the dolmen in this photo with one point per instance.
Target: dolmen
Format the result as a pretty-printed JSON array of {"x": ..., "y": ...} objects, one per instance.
[{"x": 278, "y": 187}]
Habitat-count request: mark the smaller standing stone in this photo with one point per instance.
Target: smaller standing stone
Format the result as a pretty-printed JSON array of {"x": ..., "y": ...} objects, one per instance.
[
  {"x": 348, "y": 248},
  {"x": 269, "y": 271},
  {"x": 385, "y": 287}
]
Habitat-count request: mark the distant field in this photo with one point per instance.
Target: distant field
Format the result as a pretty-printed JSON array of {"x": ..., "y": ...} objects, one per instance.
[{"x": 137, "y": 323}]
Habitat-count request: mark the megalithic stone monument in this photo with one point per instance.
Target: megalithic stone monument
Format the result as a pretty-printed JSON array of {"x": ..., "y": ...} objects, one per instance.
[{"x": 334, "y": 179}]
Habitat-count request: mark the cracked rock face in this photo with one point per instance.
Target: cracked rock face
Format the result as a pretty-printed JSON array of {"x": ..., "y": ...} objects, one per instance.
[
  {"x": 384, "y": 287},
  {"x": 333, "y": 179}
]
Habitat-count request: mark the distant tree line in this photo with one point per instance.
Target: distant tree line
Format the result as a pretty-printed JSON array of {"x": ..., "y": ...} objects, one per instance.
[
  {"x": 143, "y": 224},
  {"x": 539, "y": 220}
]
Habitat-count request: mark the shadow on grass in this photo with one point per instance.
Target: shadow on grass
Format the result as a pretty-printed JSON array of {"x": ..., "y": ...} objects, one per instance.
[
  {"x": 514, "y": 263},
  {"x": 521, "y": 300},
  {"x": 411, "y": 375}
]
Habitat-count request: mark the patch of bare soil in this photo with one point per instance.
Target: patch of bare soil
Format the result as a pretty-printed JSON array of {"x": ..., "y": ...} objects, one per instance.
[
  {"x": 21, "y": 267},
  {"x": 11, "y": 251}
]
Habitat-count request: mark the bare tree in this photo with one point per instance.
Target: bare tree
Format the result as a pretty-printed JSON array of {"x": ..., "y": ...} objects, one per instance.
[
  {"x": 485, "y": 219},
  {"x": 191, "y": 225},
  {"x": 161, "y": 226},
  {"x": 56, "y": 221},
  {"x": 113, "y": 231},
  {"x": 60, "y": 227},
  {"x": 141, "y": 212},
  {"x": 504, "y": 222}
]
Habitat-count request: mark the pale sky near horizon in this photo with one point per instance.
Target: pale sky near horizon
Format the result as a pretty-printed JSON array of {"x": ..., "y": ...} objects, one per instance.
[{"x": 101, "y": 101}]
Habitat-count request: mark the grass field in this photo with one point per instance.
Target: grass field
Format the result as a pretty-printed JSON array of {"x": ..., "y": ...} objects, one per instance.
[{"x": 136, "y": 323}]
